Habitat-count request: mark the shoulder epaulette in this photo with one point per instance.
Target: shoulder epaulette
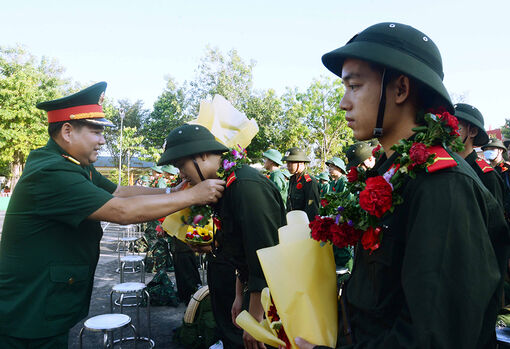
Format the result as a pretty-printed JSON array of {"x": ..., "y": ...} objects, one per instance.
[
  {"x": 484, "y": 165},
  {"x": 70, "y": 158},
  {"x": 231, "y": 179},
  {"x": 442, "y": 159},
  {"x": 307, "y": 177}
]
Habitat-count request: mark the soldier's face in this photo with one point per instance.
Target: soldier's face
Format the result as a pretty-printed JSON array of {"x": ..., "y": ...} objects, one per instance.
[
  {"x": 85, "y": 143},
  {"x": 208, "y": 163},
  {"x": 334, "y": 171},
  {"x": 295, "y": 167},
  {"x": 361, "y": 99}
]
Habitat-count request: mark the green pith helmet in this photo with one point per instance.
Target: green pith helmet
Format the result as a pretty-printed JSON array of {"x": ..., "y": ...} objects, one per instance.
[
  {"x": 335, "y": 161},
  {"x": 273, "y": 155},
  {"x": 506, "y": 143},
  {"x": 170, "y": 169},
  {"x": 324, "y": 176},
  {"x": 85, "y": 105},
  {"x": 188, "y": 140},
  {"x": 472, "y": 115},
  {"x": 295, "y": 154},
  {"x": 144, "y": 178},
  {"x": 357, "y": 153},
  {"x": 158, "y": 169},
  {"x": 286, "y": 173},
  {"x": 494, "y": 143},
  {"x": 399, "y": 47},
  {"x": 374, "y": 142}
]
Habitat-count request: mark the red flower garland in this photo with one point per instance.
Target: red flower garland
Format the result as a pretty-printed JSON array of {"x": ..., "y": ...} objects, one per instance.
[{"x": 376, "y": 197}]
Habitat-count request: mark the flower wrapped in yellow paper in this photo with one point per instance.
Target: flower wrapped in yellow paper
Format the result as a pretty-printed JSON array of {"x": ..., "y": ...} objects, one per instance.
[{"x": 302, "y": 285}]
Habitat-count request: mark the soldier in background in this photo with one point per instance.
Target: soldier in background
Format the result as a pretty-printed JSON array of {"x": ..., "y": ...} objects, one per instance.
[
  {"x": 303, "y": 188},
  {"x": 323, "y": 184},
  {"x": 272, "y": 163},
  {"x": 360, "y": 154},
  {"x": 336, "y": 167}
]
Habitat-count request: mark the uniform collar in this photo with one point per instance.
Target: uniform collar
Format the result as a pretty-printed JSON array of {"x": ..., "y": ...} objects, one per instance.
[{"x": 53, "y": 146}]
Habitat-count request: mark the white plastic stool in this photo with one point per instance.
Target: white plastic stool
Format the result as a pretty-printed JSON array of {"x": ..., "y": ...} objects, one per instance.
[
  {"x": 107, "y": 323},
  {"x": 135, "y": 290},
  {"x": 135, "y": 261},
  {"x": 127, "y": 246}
]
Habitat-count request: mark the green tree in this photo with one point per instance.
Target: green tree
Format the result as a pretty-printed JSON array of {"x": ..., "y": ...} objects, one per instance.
[
  {"x": 170, "y": 111},
  {"x": 23, "y": 83},
  {"x": 135, "y": 116},
  {"x": 324, "y": 118},
  {"x": 229, "y": 76}
]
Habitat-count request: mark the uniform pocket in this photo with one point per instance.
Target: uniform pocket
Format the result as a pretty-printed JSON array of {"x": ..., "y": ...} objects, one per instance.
[{"x": 67, "y": 288}]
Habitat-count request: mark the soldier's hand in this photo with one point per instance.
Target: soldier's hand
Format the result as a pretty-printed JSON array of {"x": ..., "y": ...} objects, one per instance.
[
  {"x": 251, "y": 343},
  {"x": 208, "y": 191},
  {"x": 303, "y": 344},
  {"x": 236, "y": 310},
  {"x": 180, "y": 186},
  {"x": 201, "y": 248}
]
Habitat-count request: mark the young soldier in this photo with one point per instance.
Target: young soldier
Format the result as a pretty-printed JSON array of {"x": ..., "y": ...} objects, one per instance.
[
  {"x": 158, "y": 180},
  {"x": 323, "y": 184},
  {"x": 50, "y": 239},
  {"x": 250, "y": 212},
  {"x": 433, "y": 280},
  {"x": 303, "y": 188},
  {"x": 493, "y": 152},
  {"x": 272, "y": 163},
  {"x": 360, "y": 154},
  {"x": 336, "y": 168},
  {"x": 472, "y": 133}
]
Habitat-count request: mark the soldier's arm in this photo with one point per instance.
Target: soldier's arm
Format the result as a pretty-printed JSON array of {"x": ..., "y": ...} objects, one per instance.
[
  {"x": 134, "y": 190},
  {"x": 143, "y": 208}
]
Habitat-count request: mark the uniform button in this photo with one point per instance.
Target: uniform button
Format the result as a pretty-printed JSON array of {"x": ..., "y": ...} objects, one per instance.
[{"x": 70, "y": 281}]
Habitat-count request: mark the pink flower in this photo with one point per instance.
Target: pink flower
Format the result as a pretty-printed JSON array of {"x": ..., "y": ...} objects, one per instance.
[
  {"x": 197, "y": 219},
  {"x": 227, "y": 165}
]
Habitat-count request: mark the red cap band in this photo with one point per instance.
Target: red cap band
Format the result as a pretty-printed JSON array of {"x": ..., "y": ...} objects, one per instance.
[{"x": 80, "y": 112}]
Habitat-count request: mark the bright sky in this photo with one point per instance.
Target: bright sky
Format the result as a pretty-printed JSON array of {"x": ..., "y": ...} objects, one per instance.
[{"x": 133, "y": 45}]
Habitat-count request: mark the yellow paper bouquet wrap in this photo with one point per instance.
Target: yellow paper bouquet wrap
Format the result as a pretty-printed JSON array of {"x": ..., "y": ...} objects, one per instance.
[
  {"x": 302, "y": 284},
  {"x": 231, "y": 128}
]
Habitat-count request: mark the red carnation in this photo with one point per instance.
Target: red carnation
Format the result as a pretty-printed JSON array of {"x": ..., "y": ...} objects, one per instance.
[
  {"x": 376, "y": 150},
  {"x": 450, "y": 121},
  {"x": 322, "y": 228},
  {"x": 376, "y": 197},
  {"x": 299, "y": 185},
  {"x": 324, "y": 202},
  {"x": 345, "y": 235},
  {"x": 419, "y": 153},
  {"x": 371, "y": 238},
  {"x": 352, "y": 176}
]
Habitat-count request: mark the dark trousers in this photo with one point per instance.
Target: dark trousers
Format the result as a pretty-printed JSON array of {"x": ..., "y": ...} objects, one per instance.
[
  {"x": 187, "y": 276},
  {"x": 222, "y": 289},
  {"x": 55, "y": 342}
]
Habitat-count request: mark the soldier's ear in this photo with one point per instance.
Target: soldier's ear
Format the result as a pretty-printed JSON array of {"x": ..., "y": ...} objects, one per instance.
[{"x": 66, "y": 132}]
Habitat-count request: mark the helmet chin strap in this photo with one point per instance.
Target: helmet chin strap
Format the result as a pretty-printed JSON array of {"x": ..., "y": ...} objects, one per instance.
[
  {"x": 378, "y": 130},
  {"x": 198, "y": 170}
]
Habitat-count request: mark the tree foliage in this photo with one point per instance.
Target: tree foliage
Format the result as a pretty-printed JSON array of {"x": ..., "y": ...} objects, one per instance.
[{"x": 23, "y": 83}]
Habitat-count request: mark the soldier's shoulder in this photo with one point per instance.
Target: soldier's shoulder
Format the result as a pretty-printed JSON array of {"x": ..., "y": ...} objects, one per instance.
[{"x": 484, "y": 166}]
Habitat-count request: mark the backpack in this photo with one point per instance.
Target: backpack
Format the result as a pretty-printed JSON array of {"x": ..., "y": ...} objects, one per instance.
[
  {"x": 198, "y": 330},
  {"x": 161, "y": 290}
]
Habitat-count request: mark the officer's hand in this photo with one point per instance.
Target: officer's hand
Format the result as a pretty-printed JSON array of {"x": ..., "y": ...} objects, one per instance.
[
  {"x": 180, "y": 186},
  {"x": 208, "y": 191},
  {"x": 302, "y": 344},
  {"x": 236, "y": 309},
  {"x": 251, "y": 343}
]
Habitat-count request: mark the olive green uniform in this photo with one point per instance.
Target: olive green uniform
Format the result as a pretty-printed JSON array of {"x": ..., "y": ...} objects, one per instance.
[
  {"x": 304, "y": 195},
  {"x": 281, "y": 183},
  {"x": 323, "y": 189},
  {"x": 251, "y": 211},
  {"x": 337, "y": 186},
  {"x": 487, "y": 175},
  {"x": 49, "y": 249},
  {"x": 438, "y": 256}
]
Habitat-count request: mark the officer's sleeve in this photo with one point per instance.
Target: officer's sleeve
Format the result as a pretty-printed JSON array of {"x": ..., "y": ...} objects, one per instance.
[
  {"x": 68, "y": 196},
  {"x": 312, "y": 199},
  {"x": 258, "y": 213},
  {"x": 449, "y": 271},
  {"x": 101, "y": 181}
]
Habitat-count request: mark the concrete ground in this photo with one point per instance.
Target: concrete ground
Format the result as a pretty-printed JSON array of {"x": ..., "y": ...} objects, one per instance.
[{"x": 164, "y": 319}]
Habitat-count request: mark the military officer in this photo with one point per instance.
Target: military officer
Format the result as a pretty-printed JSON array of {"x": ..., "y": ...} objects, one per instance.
[
  {"x": 472, "y": 133},
  {"x": 250, "y": 214},
  {"x": 323, "y": 183},
  {"x": 272, "y": 163},
  {"x": 433, "y": 280},
  {"x": 50, "y": 238},
  {"x": 303, "y": 188},
  {"x": 360, "y": 154},
  {"x": 336, "y": 167}
]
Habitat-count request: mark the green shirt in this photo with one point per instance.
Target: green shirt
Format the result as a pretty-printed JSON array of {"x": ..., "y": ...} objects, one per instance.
[
  {"x": 434, "y": 281},
  {"x": 49, "y": 249},
  {"x": 304, "y": 195},
  {"x": 251, "y": 211},
  {"x": 323, "y": 189},
  {"x": 336, "y": 186},
  {"x": 281, "y": 183}
]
